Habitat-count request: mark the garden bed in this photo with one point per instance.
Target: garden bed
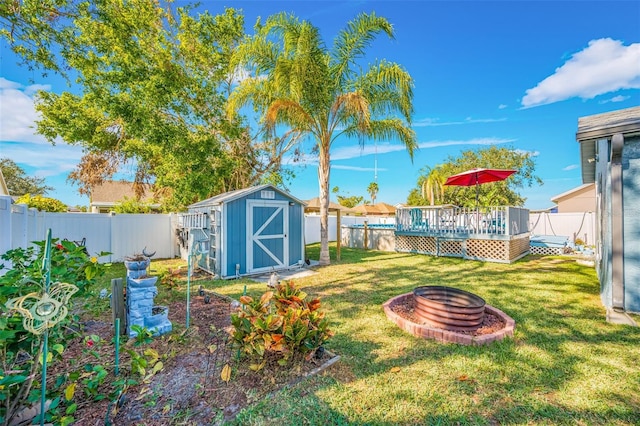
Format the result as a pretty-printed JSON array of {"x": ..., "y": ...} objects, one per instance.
[{"x": 189, "y": 387}]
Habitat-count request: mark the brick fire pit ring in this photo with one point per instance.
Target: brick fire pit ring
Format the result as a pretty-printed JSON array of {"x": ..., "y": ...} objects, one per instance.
[{"x": 430, "y": 332}]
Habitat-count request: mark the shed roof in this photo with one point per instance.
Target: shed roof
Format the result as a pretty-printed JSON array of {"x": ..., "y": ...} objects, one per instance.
[
  {"x": 239, "y": 193},
  {"x": 594, "y": 127}
]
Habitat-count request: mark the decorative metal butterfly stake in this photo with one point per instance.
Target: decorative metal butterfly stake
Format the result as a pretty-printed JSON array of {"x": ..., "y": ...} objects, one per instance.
[{"x": 42, "y": 311}]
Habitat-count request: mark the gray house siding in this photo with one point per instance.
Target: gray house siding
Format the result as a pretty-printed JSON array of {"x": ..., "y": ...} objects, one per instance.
[
  {"x": 631, "y": 220},
  {"x": 603, "y": 196},
  {"x": 610, "y": 157}
]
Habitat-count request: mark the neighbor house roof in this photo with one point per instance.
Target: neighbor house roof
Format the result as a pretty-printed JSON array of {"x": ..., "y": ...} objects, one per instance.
[
  {"x": 594, "y": 127},
  {"x": 385, "y": 208},
  {"x": 367, "y": 209},
  {"x": 570, "y": 192},
  {"x": 111, "y": 192},
  {"x": 314, "y": 205}
]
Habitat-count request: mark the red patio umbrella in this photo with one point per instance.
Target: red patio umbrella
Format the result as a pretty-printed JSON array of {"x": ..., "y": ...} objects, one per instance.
[{"x": 477, "y": 177}]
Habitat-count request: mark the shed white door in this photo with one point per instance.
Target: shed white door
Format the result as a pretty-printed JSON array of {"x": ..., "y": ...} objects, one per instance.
[{"x": 267, "y": 240}]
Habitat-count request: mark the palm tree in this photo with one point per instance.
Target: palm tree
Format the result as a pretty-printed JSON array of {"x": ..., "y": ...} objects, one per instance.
[
  {"x": 372, "y": 189},
  {"x": 433, "y": 185},
  {"x": 324, "y": 93}
]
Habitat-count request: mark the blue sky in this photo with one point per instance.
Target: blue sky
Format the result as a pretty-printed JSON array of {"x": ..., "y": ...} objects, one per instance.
[{"x": 517, "y": 74}]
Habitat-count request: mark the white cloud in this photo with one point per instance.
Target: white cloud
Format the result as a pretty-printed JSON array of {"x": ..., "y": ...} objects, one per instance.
[
  {"x": 531, "y": 153},
  {"x": 432, "y": 122},
  {"x": 357, "y": 151},
  {"x": 605, "y": 66},
  {"x": 570, "y": 167},
  {"x": 502, "y": 106},
  {"x": 8, "y": 84},
  {"x": 17, "y": 112},
  {"x": 357, "y": 169},
  {"x": 618, "y": 98},
  {"x": 48, "y": 160},
  {"x": 476, "y": 141}
]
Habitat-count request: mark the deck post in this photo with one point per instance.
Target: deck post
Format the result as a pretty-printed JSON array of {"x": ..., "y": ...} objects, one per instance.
[{"x": 338, "y": 236}]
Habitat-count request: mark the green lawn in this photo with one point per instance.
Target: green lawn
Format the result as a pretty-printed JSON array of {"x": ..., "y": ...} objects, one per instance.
[{"x": 565, "y": 365}]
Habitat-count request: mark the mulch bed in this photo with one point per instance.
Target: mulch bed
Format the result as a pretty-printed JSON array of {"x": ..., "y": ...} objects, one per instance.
[
  {"x": 189, "y": 388},
  {"x": 490, "y": 324}
]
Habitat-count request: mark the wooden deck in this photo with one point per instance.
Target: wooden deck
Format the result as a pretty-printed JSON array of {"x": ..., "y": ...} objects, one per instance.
[{"x": 496, "y": 234}]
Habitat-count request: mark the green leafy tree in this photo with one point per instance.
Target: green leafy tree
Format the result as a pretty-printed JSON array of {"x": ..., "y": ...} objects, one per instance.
[
  {"x": 432, "y": 186},
  {"x": 372, "y": 189},
  {"x": 132, "y": 205},
  {"x": 153, "y": 81},
  {"x": 300, "y": 84},
  {"x": 350, "y": 201},
  {"x": 18, "y": 183},
  {"x": 44, "y": 204},
  {"x": 503, "y": 193}
]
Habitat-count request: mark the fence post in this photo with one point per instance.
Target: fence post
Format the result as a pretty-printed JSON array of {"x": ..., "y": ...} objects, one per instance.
[
  {"x": 117, "y": 304},
  {"x": 366, "y": 236},
  {"x": 6, "y": 242}
]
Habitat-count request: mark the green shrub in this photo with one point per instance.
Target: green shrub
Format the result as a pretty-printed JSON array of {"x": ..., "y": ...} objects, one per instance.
[
  {"x": 41, "y": 203},
  {"x": 280, "y": 323}
]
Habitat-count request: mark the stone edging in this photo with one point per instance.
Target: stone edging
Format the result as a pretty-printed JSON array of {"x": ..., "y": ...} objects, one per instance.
[{"x": 427, "y": 332}]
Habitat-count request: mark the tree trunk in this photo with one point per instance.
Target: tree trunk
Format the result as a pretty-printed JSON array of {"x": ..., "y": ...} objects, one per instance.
[{"x": 323, "y": 181}]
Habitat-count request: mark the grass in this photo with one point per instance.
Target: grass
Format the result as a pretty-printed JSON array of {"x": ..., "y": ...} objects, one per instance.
[{"x": 565, "y": 364}]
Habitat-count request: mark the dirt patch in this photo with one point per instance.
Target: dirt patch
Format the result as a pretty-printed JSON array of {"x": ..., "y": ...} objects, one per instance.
[{"x": 188, "y": 389}]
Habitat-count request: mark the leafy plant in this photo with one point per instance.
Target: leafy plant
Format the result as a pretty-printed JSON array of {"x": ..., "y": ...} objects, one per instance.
[
  {"x": 21, "y": 350},
  {"x": 282, "y": 323},
  {"x": 143, "y": 336}
]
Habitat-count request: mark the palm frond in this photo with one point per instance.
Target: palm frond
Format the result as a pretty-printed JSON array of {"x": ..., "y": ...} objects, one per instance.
[
  {"x": 250, "y": 90},
  {"x": 389, "y": 88},
  {"x": 351, "y": 42},
  {"x": 352, "y": 108},
  {"x": 289, "y": 112},
  {"x": 387, "y": 129}
]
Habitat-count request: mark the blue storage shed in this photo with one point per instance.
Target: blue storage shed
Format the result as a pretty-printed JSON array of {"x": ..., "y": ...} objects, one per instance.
[{"x": 250, "y": 231}]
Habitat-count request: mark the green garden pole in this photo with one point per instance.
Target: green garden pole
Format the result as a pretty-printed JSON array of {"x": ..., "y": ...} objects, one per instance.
[
  {"x": 188, "y": 287},
  {"x": 117, "y": 368},
  {"x": 46, "y": 266}
]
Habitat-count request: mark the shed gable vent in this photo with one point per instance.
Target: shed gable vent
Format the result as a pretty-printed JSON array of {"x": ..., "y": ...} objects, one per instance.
[{"x": 268, "y": 195}]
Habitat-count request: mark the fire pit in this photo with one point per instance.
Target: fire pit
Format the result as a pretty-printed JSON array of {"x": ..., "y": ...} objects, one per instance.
[
  {"x": 449, "y": 315},
  {"x": 449, "y": 308}
]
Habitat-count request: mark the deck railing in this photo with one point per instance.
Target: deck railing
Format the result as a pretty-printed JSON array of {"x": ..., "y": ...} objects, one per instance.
[
  {"x": 461, "y": 220},
  {"x": 193, "y": 220}
]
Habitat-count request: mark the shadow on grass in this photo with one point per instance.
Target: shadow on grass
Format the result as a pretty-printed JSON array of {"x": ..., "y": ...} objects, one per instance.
[
  {"x": 565, "y": 364},
  {"x": 552, "y": 371}
]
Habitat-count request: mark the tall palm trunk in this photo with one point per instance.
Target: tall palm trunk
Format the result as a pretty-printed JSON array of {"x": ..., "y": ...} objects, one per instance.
[{"x": 323, "y": 180}]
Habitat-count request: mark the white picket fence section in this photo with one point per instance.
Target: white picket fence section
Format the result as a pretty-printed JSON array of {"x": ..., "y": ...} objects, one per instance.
[
  {"x": 572, "y": 225},
  {"x": 120, "y": 234}
]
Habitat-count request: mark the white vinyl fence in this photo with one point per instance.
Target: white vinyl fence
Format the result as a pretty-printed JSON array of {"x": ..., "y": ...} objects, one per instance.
[
  {"x": 120, "y": 234},
  {"x": 572, "y": 225},
  {"x": 312, "y": 225},
  {"x": 127, "y": 234}
]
